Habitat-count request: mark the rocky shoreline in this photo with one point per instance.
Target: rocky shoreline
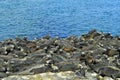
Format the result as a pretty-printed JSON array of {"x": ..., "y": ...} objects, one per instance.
[{"x": 92, "y": 56}]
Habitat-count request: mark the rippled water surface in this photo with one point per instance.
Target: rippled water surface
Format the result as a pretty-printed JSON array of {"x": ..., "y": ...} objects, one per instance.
[{"x": 36, "y": 18}]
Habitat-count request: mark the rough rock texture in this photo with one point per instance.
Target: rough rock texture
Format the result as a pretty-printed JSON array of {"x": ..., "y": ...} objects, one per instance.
[
  {"x": 92, "y": 56},
  {"x": 68, "y": 75},
  {"x": 44, "y": 76}
]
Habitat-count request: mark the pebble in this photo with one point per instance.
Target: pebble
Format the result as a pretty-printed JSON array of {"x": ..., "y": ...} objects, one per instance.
[{"x": 108, "y": 78}]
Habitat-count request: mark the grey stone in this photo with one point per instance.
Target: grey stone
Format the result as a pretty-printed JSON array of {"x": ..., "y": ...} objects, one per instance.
[
  {"x": 2, "y": 69},
  {"x": 110, "y": 72},
  {"x": 20, "y": 54},
  {"x": 46, "y": 37},
  {"x": 92, "y": 31},
  {"x": 3, "y": 75},
  {"x": 39, "y": 70},
  {"x": 3, "y": 51},
  {"x": 80, "y": 73},
  {"x": 112, "y": 52},
  {"x": 108, "y": 78},
  {"x": 2, "y": 62},
  {"x": 66, "y": 66}
]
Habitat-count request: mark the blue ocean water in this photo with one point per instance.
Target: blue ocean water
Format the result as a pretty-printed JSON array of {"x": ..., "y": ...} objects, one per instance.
[{"x": 37, "y": 18}]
